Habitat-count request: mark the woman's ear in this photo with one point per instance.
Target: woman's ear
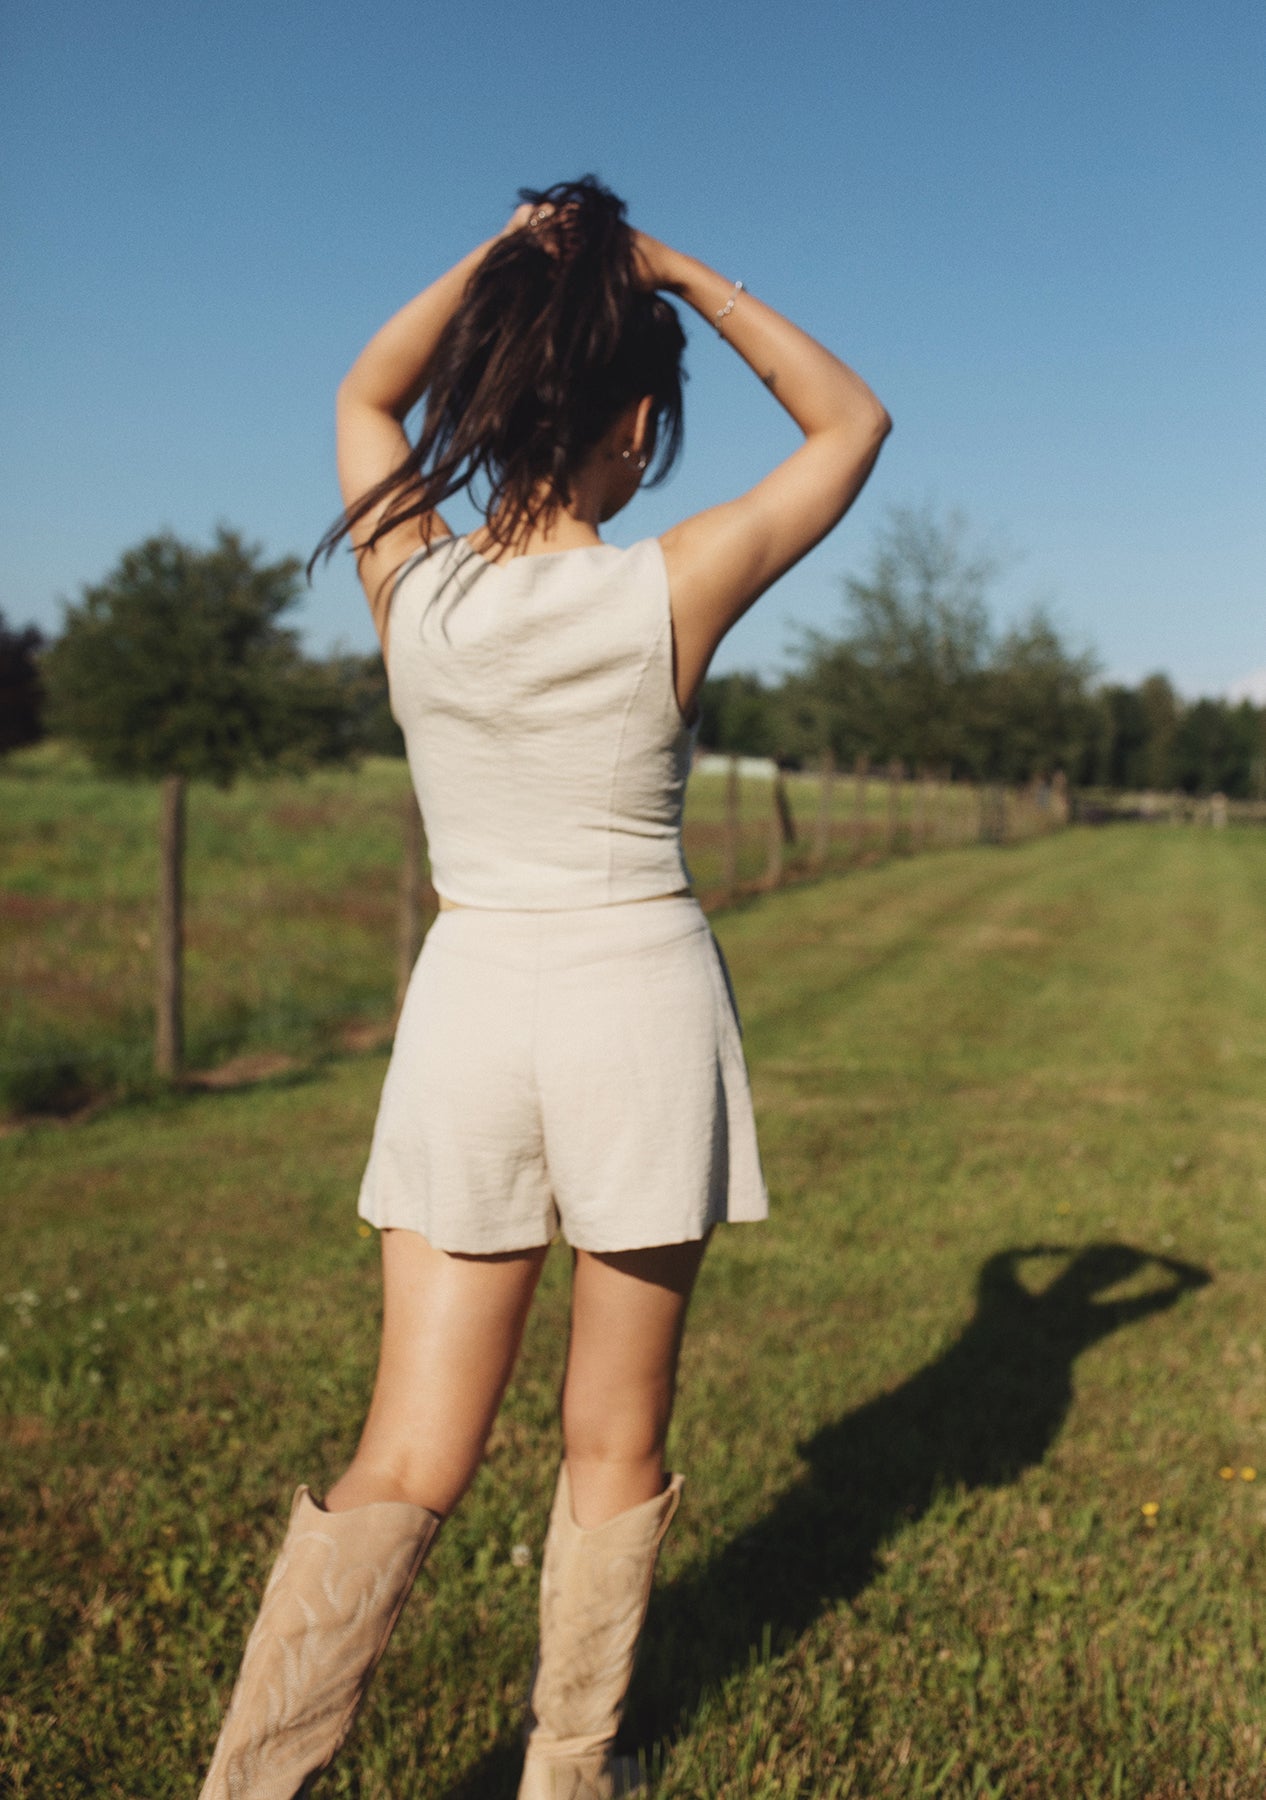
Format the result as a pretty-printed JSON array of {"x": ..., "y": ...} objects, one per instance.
[{"x": 642, "y": 424}]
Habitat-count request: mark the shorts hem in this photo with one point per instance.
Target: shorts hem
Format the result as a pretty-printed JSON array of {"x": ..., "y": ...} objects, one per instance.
[
  {"x": 443, "y": 1241},
  {"x": 657, "y": 1242}
]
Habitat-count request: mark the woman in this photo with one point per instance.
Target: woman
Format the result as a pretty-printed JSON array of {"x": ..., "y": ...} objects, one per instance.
[{"x": 568, "y": 1051}]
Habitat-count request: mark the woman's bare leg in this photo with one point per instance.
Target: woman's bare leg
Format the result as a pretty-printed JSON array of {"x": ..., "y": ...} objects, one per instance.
[
  {"x": 451, "y": 1331},
  {"x": 627, "y": 1317}
]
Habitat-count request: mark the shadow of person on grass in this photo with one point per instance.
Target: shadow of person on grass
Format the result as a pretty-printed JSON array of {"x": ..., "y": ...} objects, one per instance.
[{"x": 985, "y": 1410}]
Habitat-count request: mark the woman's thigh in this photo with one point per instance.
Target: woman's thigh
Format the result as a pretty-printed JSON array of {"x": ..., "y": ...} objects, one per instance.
[
  {"x": 452, "y": 1326},
  {"x": 627, "y": 1319}
]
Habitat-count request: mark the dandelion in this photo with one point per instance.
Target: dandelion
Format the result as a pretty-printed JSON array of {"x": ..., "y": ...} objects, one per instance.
[
  {"x": 364, "y": 1230},
  {"x": 1248, "y": 1474},
  {"x": 521, "y": 1556},
  {"x": 1227, "y": 1472},
  {"x": 1149, "y": 1510}
]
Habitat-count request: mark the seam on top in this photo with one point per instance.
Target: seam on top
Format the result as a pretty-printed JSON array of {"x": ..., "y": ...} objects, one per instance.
[
  {"x": 674, "y": 704},
  {"x": 617, "y": 760}
]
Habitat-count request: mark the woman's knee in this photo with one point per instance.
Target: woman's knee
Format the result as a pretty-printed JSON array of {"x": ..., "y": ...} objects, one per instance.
[{"x": 626, "y": 1425}]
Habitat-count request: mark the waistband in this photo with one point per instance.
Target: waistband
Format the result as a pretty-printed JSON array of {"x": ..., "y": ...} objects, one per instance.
[
  {"x": 526, "y": 939},
  {"x": 641, "y": 900}
]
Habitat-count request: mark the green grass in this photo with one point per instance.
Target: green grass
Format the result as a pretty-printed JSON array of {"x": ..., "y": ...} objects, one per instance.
[{"x": 1012, "y": 1112}]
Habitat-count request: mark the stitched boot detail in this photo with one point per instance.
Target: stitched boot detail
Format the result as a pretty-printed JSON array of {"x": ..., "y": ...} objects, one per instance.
[
  {"x": 595, "y": 1586},
  {"x": 334, "y": 1595}
]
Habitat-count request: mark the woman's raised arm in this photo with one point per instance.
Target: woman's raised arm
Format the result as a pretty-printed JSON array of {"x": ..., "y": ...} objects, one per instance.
[
  {"x": 721, "y": 560},
  {"x": 374, "y": 398}
]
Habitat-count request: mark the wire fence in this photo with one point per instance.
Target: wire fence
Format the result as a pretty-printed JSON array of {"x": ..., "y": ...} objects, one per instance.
[{"x": 262, "y": 980}]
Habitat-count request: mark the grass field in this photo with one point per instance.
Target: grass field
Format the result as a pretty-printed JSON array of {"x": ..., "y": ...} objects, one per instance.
[{"x": 970, "y": 1429}]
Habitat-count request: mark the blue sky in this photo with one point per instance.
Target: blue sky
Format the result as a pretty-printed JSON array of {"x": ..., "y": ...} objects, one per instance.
[{"x": 1039, "y": 232}]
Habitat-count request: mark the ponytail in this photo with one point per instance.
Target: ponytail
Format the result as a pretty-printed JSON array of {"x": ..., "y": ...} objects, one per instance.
[{"x": 552, "y": 339}]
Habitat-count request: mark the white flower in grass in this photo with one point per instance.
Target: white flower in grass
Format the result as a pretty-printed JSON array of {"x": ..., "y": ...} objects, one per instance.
[
  {"x": 121, "y": 1306},
  {"x": 4, "y": 1351},
  {"x": 72, "y": 1293},
  {"x": 150, "y": 1302},
  {"x": 98, "y": 1324},
  {"x": 521, "y": 1556},
  {"x": 197, "y": 1284},
  {"x": 219, "y": 1264},
  {"x": 95, "y": 1378}
]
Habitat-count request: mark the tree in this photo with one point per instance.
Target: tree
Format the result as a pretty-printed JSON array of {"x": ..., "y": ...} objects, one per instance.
[
  {"x": 362, "y": 680},
  {"x": 1215, "y": 748},
  {"x": 1034, "y": 714},
  {"x": 176, "y": 667},
  {"x": 919, "y": 676},
  {"x": 735, "y": 715},
  {"x": 1161, "y": 709},
  {"x": 21, "y": 690}
]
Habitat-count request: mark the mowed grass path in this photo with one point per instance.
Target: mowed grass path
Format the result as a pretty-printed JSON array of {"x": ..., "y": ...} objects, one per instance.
[{"x": 1013, "y": 1111}]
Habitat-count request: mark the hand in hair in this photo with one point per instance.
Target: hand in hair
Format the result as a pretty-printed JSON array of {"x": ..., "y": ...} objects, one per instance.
[
  {"x": 652, "y": 264},
  {"x": 556, "y": 229}
]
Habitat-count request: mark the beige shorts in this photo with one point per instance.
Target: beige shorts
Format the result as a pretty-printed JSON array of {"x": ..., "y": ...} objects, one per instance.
[{"x": 577, "y": 1069}]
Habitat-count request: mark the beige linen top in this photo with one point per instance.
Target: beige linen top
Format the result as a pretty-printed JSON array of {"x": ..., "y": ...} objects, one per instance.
[{"x": 540, "y": 717}]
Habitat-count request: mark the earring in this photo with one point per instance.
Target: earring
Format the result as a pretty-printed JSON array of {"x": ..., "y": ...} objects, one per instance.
[{"x": 628, "y": 456}]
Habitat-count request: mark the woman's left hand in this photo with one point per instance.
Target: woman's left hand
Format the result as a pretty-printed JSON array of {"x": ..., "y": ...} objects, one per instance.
[{"x": 520, "y": 218}]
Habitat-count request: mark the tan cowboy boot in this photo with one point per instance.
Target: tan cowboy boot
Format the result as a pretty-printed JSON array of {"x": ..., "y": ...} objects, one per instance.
[
  {"x": 595, "y": 1586},
  {"x": 335, "y": 1593}
]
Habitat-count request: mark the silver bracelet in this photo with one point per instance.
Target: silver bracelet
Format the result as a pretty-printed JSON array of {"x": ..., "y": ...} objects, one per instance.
[{"x": 727, "y": 309}]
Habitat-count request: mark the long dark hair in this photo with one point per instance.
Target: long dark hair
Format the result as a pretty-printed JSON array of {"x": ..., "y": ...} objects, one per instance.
[{"x": 553, "y": 338}]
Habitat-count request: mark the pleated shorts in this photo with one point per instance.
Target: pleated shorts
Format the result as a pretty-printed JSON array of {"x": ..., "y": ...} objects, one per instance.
[{"x": 579, "y": 1071}]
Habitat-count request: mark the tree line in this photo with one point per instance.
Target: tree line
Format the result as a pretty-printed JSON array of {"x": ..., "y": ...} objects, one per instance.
[
  {"x": 180, "y": 663},
  {"x": 918, "y": 675}
]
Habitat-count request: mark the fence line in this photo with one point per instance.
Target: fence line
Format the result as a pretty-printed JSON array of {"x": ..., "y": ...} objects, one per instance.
[
  {"x": 750, "y": 827},
  {"x": 1104, "y": 805},
  {"x": 777, "y": 826}
]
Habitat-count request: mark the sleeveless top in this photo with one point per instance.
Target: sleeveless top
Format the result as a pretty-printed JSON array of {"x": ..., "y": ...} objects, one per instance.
[{"x": 546, "y": 745}]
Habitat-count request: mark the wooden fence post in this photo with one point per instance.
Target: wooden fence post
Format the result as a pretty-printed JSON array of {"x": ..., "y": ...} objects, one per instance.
[
  {"x": 861, "y": 769},
  {"x": 895, "y": 776},
  {"x": 409, "y": 931},
  {"x": 922, "y": 808},
  {"x": 774, "y": 858},
  {"x": 993, "y": 812},
  {"x": 732, "y": 829},
  {"x": 169, "y": 1021},
  {"x": 822, "y": 834},
  {"x": 782, "y": 829}
]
